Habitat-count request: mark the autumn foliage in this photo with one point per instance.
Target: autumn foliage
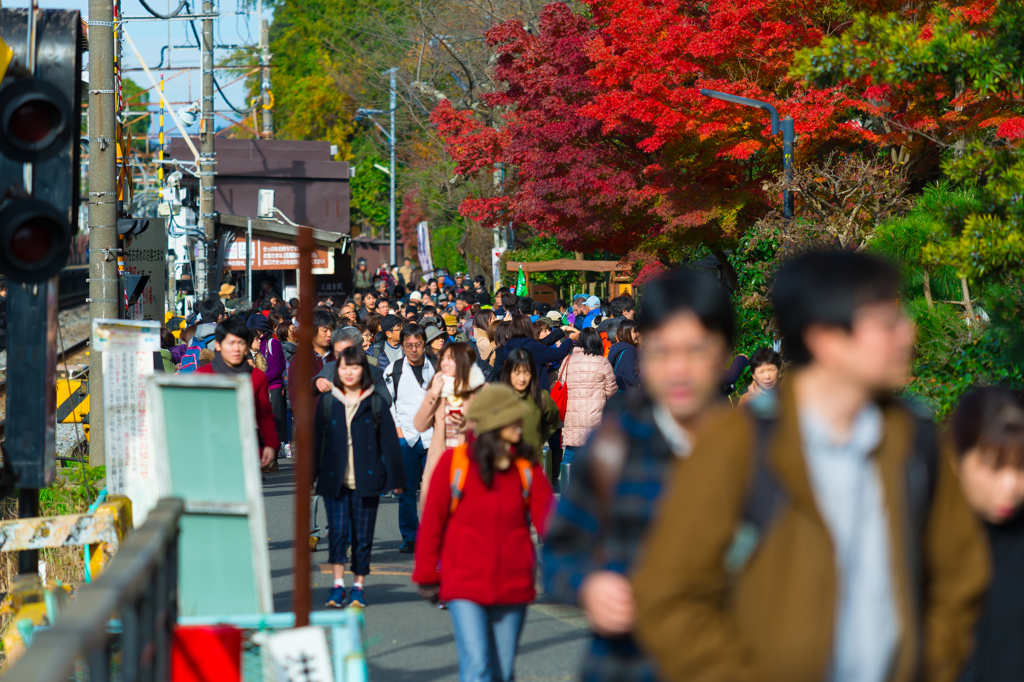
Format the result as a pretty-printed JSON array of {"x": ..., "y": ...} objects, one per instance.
[{"x": 607, "y": 143}]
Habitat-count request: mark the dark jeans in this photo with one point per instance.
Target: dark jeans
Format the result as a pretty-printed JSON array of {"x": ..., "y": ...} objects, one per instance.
[
  {"x": 414, "y": 458},
  {"x": 351, "y": 520},
  {"x": 486, "y": 638},
  {"x": 555, "y": 443},
  {"x": 280, "y": 409}
]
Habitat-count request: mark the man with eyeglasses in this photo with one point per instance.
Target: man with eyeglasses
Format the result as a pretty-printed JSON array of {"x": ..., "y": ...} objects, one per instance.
[{"x": 406, "y": 379}]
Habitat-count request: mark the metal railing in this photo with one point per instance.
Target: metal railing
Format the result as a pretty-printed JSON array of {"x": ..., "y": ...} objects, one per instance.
[{"x": 140, "y": 589}]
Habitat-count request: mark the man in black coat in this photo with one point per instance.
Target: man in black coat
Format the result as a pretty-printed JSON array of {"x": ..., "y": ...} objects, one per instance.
[{"x": 341, "y": 339}]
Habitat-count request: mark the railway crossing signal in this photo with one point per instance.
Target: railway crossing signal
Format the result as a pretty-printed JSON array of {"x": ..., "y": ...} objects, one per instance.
[{"x": 40, "y": 122}]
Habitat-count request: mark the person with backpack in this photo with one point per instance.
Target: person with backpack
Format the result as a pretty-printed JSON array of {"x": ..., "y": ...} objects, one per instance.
[
  {"x": 625, "y": 356},
  {"x": 357, "y": 460},
  {"x": 825, "y": 538},
  {"x": 443, "y": 412},
  {"x": 475, "y": 552},
  {"x": 407, "y": 379},
  {"x": 211, "y": 312},
  {"x": 388, "y": 349},
  {"x": 616, "y": 480}
]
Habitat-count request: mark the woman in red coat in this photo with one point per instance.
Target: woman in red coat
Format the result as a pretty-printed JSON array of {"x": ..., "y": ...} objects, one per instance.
[{"x": 474, "y": 549}]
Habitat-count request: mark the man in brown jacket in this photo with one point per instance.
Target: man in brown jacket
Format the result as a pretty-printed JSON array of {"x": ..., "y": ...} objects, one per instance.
[{"x": 819, "y": 535}]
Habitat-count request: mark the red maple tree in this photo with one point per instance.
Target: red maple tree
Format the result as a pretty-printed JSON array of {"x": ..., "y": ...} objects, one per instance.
[{"x": 607, "y": 143}]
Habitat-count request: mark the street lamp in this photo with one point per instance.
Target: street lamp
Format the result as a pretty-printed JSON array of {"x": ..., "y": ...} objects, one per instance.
[
  {"x": 785, "y": 126},
  {"x": 390, "y": 136}
]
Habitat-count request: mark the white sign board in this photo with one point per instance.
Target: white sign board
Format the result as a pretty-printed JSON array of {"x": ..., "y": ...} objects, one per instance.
[
  {"x": 127, "y": 348},
  {"x": 300, "y": 654},
  {"x": 496, "y": 255}
]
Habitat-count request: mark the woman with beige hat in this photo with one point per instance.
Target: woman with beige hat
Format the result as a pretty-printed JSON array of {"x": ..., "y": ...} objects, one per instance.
[{"x": 474, "y": 549}]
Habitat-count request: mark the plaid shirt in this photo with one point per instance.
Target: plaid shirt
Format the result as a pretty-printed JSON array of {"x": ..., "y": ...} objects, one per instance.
[{"x": 600, "y": 520}]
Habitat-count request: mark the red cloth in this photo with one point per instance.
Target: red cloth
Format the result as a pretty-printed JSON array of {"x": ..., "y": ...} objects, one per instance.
[
  {"x": 483, "y": 552},
  {"x": 265, "y": 423},
  {"x": 206, "y": 653}
]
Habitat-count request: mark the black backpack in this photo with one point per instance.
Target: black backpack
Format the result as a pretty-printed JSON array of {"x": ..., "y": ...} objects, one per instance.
[
  {"x": 766, "y": 497},
  {"x": 396, "y": 373}
]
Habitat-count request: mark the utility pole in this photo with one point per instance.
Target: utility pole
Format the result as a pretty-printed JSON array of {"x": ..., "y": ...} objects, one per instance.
[
  {"x": 104, "y": 285},
  {"x": 268, "y": 116},
  {"x": 394, "y": 103},
  {"x": 207, "y": 157}
]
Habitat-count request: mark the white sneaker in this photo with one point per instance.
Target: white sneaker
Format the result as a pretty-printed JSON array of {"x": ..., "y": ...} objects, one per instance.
[{"x": 286, "y": 450}]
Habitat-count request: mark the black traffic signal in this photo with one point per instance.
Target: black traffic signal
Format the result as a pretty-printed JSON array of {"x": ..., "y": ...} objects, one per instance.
[{"x": 40, "y": 120}]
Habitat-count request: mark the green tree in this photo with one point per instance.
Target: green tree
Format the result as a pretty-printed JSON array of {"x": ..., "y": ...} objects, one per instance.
[
  {"x": 542, "y": 249},
  {"x": 369, "y": 196},
  {"x": 444, "y": 247}
]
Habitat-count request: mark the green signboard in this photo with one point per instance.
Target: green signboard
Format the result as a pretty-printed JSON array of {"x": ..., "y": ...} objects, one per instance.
[{"x": 204, "y": 438}]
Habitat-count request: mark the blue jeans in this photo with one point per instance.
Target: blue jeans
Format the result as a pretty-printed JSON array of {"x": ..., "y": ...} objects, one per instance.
[
  {"x": 569, "y": 456},
  {"x": 414, "y": 458},
  {"x": 486, "y": 638}
]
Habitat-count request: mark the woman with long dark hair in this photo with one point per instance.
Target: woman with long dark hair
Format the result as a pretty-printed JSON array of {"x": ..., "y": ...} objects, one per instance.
[
  {"x": 449, "y": 395},
  {"x": 542, "y": 419},
  {"x": 357, "y": 459},
  {"x": 484, "y": 338},
  {"x": 474, "y": 549},
  {"x": 625, "y": 356}
]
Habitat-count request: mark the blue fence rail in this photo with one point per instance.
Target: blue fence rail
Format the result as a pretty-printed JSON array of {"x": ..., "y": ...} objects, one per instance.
[{"x": 139, "y": 589}]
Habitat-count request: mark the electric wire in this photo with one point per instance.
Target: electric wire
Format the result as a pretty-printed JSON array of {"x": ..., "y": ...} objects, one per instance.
[
  {"x": 181, "y": 5},
  {"x": 240, "y": 112}
]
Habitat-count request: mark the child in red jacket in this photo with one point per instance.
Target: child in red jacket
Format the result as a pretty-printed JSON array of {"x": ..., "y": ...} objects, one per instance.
[{"x": 474, "y": 549}]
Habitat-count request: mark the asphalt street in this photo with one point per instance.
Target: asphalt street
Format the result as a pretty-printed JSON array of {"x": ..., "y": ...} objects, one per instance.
[{"x": 408, "y": 639}]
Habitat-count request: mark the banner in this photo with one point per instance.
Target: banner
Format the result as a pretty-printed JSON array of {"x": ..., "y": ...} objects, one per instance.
[
  {"x": 521, "y": 289},
  {"x": 423, "y": 246},
  {"x": 496, "y": 255}
]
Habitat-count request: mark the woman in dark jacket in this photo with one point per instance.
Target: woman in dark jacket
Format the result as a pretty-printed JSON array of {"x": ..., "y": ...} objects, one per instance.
[
  {"x": 521, "y": 336},
  {"x": 359, "y": 458},
  {"x": 624, "y": 357},
  {"x": 987, "y": 431}
]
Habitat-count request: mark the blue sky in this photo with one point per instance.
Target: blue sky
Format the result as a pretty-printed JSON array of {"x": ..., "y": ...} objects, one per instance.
[{"x": 232, "y": 28}]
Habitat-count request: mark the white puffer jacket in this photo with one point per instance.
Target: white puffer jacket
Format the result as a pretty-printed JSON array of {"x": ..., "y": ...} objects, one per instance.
[{"x": 591, "y": 382}]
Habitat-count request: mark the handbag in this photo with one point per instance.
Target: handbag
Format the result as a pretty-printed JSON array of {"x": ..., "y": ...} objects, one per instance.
[{"x": 560, "y": 392}]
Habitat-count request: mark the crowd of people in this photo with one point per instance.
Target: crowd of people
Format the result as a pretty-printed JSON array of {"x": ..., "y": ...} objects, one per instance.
[{"x": 809, "y": 526}]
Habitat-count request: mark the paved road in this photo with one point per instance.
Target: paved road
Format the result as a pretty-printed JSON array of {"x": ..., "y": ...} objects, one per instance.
[{"x": 408, "y": 639}]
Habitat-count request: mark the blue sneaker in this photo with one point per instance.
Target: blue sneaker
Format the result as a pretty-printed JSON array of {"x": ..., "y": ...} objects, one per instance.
[
  {"x": 337, "y": 598},
  {"x": 358, "y": 601}
]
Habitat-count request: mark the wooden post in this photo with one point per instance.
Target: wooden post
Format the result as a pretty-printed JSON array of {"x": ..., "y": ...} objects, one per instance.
[{"x": 303, "y": 405}]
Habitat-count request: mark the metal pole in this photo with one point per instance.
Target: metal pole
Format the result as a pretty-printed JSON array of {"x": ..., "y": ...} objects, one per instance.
[
  {"x": 787, "y": 164},
  {"x": 302, "y": 403},
  {"x": 206, "y": 159},
  {"x": 104, "y": 288},
  {"x": 160, "y": 166},
  {"x": 268, "y": 116},
  {"x": 394, "y": 103},
  {"x": 248, "y": 260}
]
